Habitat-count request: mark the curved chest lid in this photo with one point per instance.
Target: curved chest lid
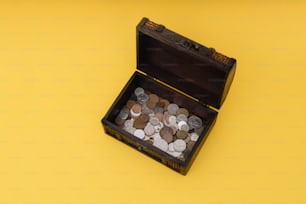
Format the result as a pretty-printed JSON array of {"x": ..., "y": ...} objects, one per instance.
[{"x": 192, "y": 68}]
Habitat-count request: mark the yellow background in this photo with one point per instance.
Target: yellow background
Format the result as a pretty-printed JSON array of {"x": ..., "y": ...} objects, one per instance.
[{"x": 62, "y": 64}]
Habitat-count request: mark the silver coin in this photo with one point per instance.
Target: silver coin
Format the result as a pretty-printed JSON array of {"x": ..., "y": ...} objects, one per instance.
[
  {"x": 146, "y": 110},
  {"x": 123, "y": 115},
  {"x": 142, "y": 98},
  {"x": 138, "y": 91},
  {"x": 194, "y": 122},
  {"x": 171, "y": 148},
  {"x": 172, "y": 120},
  {"x": 179, "y": 145},
  {"x": 181, "y": 117},
  {"x": 172, "y": 108},
  {"x": 129, "y": 123},
  {"x": 174, "y": 153},
  {"x": 139, "y": 133},
  {"x": 130, "y": 130},
  {"x": 159, "y": 127},
  {"x": 194, "y": 136},
  {"x": 154, "y": 121},
  {"x": 156, "y": 136},
  {"x": 149, "y": 129},
  {"x": 161, "y": 144},
  {"x": 158, "y": 109}
]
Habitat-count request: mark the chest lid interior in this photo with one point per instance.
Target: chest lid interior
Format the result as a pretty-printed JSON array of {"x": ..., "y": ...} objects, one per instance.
[{"x": 190, "y": 67}]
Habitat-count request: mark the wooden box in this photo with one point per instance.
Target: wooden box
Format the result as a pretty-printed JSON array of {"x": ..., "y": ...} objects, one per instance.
[{"x": 181, "y": 71}]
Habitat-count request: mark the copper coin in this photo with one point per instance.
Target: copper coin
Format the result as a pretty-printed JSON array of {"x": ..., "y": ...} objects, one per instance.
[
  {"x": 154, "y": 98},
  {"x": 141, "y": 121},
  {"x": 183, "y": 111},
  {"x": 136, "y": 108},
  {"x": 160, "y": 116},
  {"x": 181, "y": 134},
  {"x": 166, "y": 134},
  {"x": 130, "y": 103}
]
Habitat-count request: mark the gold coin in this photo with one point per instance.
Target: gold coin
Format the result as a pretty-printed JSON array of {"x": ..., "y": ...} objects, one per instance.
[
  {"x": 181, "y": 134},
  {"x": 183, "y": 111}
]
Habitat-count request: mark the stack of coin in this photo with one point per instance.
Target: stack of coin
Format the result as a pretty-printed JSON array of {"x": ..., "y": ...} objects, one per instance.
[{"x": 161, "y": 123}]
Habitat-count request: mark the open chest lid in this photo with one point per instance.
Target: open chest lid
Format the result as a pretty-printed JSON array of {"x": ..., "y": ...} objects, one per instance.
[{"x": 190, "y": 67}]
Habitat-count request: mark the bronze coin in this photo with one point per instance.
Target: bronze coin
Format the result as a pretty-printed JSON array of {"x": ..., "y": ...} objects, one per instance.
[
  {"x": 183, "y": 111},
  {"x": 119, "y": 121},
  {"x": 154, "y": 98},
  {"x": 165, "y": 103},
  {"x": 130, "y": 103},
  {"x": 190, "y": 145},
  {"x": 141, "y": 121},
  {"x": 181, "y": 134},
  {"x": 139, "y": 124},
  {"x": 166, "y": 134},
  {"x": 144, "y": 117},
  {"x": 151, "y": 104},
  {"x": 136, "y": 108}
]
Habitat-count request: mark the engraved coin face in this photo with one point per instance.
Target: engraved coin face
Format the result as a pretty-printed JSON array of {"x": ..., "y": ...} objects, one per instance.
[
  {"x": 130, "y": 130},
  {"x": 129, "y": 123},
  {"x": 170, "y": 147},
  {"x": 183, "y": 111},
  {"x": 181, "y": 117},
  {"x": 194, "y": 122},
  {"x": 123, "y": 115},
  {"x": 142, "y": 98},
  {"x": 194, "y": 136},
  {"x": 149, "y": 129},
  {"x": 181, "y": 134},
  {"x": 179, "y": 145},
  {"x": 167, "y": 134},
  {"x": 139, "y": 134},
  {"x": 154, "y": 121},
  {"x": 138, "y": 91},
  {"x": 161, "y": 144},
  {"x": 172, "y": 108}
]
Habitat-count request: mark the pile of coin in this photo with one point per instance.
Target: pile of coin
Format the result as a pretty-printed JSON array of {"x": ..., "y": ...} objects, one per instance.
[{"x": 163, "y": 124}]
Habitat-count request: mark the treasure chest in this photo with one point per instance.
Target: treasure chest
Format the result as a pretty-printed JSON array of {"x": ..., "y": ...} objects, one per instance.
[{"x": 169, "y": 105}]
